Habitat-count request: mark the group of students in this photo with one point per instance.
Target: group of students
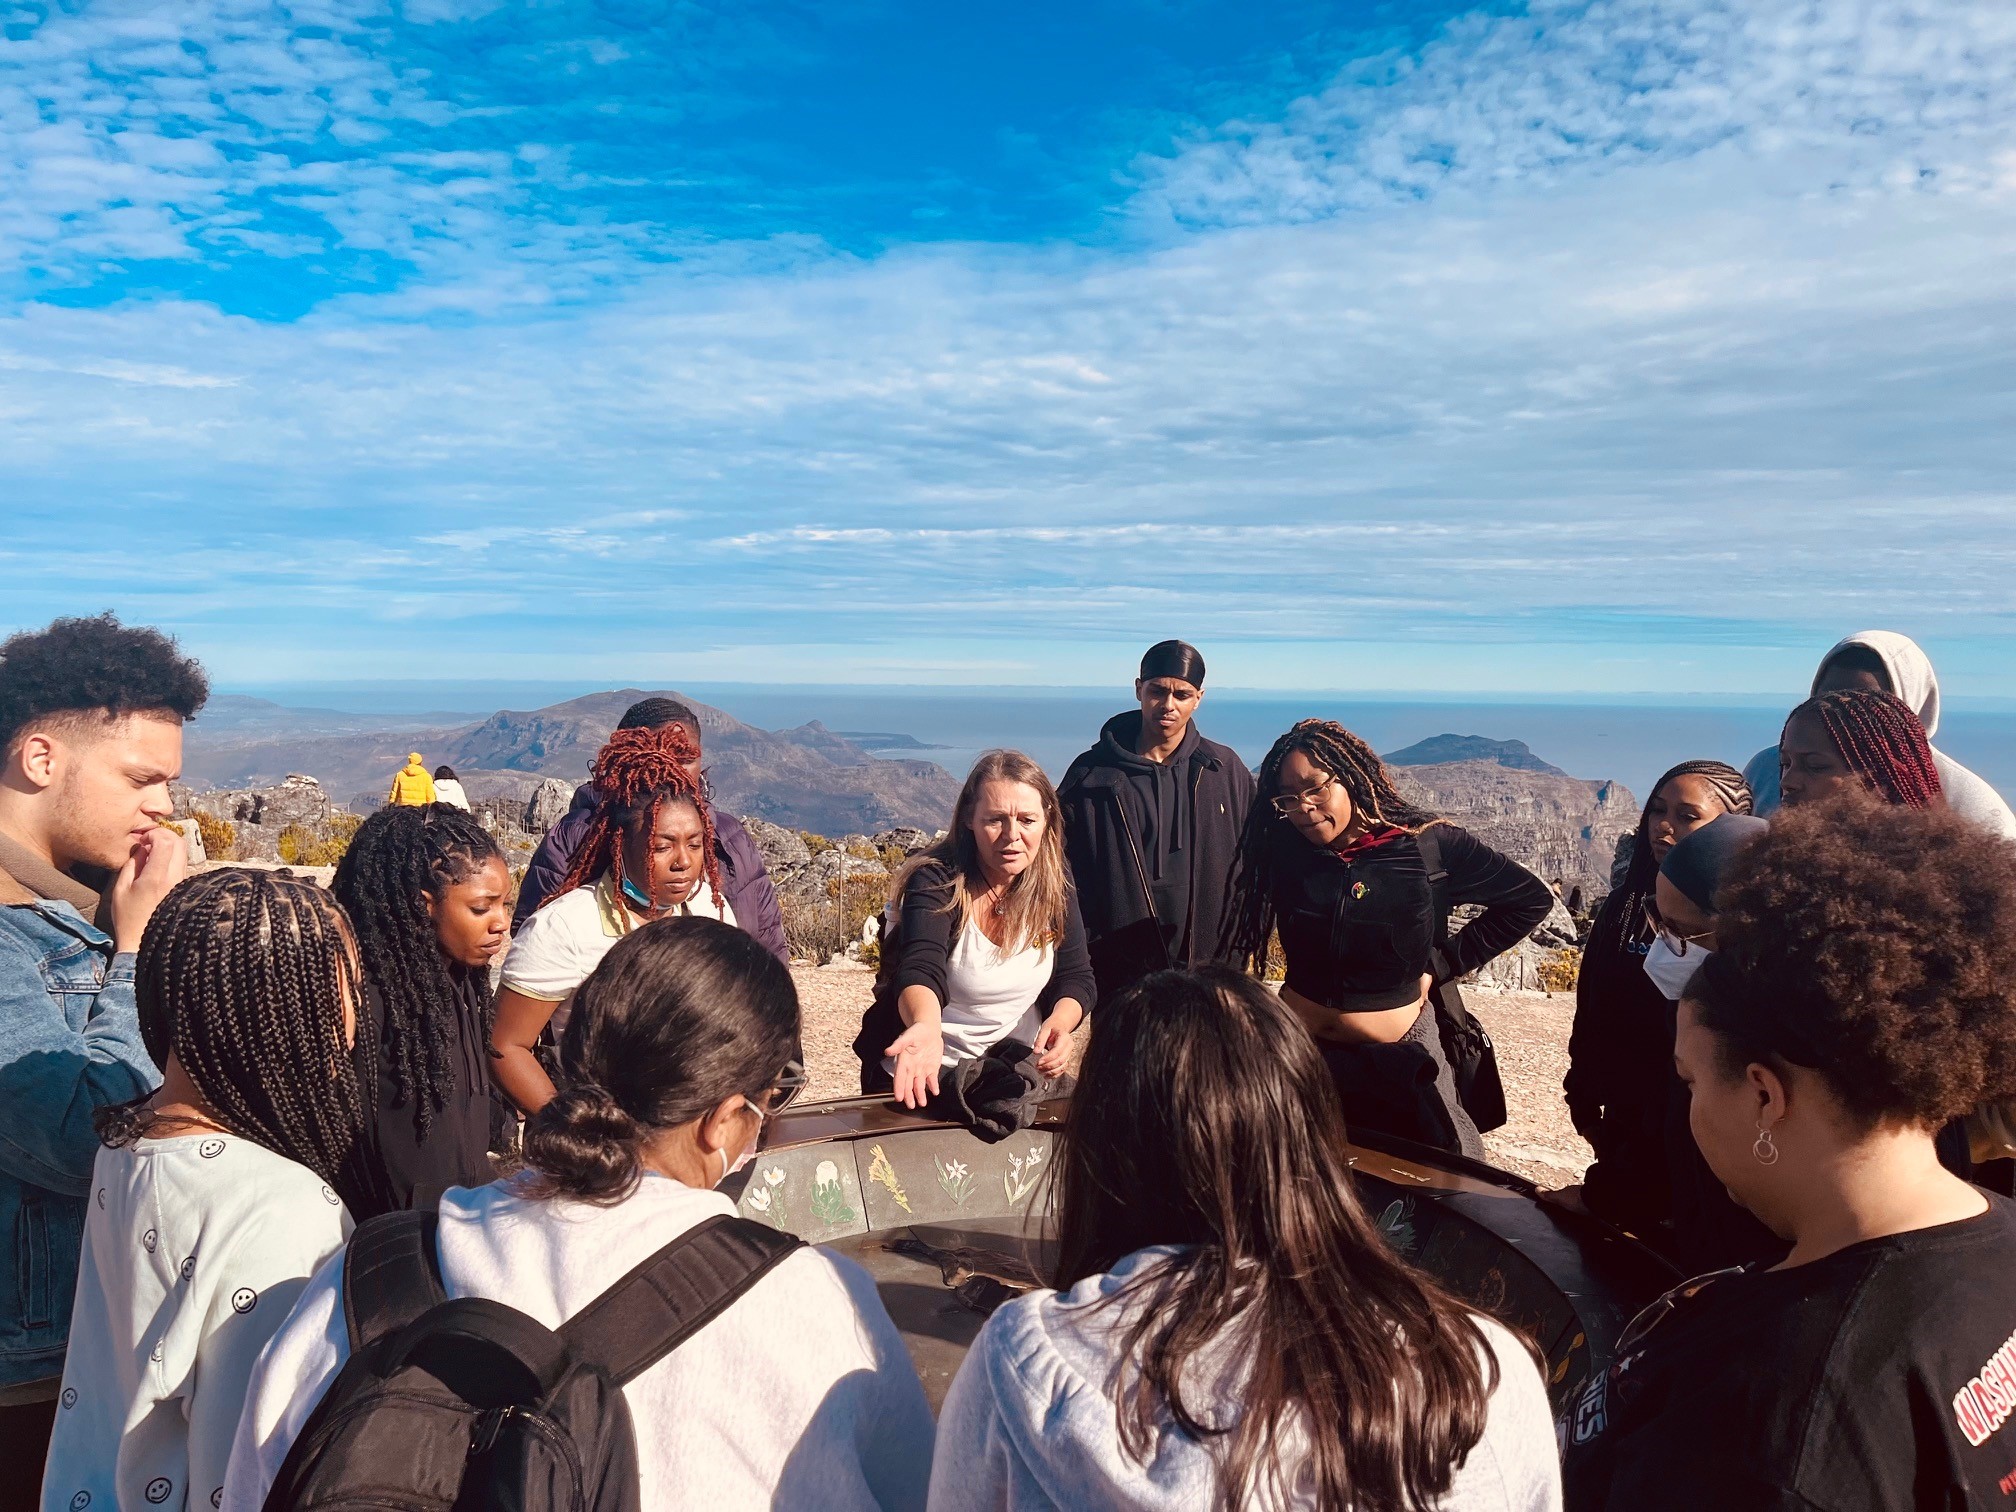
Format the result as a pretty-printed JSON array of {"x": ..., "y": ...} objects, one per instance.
[{"x": 1792, "y": 1040}]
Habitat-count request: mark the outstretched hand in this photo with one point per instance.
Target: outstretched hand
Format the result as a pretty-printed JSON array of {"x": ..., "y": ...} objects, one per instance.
[{"x": 918, "y": 1052}]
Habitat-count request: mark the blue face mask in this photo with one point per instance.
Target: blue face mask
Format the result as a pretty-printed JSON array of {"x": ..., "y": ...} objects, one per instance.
[{"x": 637, "y": 897}]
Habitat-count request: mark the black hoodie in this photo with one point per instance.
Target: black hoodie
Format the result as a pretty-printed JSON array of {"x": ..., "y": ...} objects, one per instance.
[{"x": 1152, "y": 847}]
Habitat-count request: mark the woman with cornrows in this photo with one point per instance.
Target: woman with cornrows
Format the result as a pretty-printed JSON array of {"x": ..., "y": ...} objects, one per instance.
[
  {"x": 1620, "y": 1053},
  {"x": 215, "y": 1199},
  {"x": 427, "y": 891},
  {"x": 1359, "y": 882},
  {"x": 648, "y": 854}
]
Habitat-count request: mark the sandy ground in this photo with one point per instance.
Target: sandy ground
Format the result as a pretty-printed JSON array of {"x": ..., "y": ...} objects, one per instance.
[{"x": 1529, "y": 1028}]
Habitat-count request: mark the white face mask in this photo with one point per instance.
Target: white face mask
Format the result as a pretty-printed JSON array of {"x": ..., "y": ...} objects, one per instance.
[
  {"x": 1670, "y": 971},
  {"x": 749, "y": 1154}
]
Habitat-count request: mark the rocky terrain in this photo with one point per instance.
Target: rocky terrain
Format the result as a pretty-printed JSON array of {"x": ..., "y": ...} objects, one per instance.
[
  {"x": 1564, "y": 829},
  {"x": 808, "y": 778}
]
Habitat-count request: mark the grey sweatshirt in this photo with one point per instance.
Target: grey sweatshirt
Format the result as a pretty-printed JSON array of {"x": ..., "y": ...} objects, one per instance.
[{"x": 1030, "y": 1423}]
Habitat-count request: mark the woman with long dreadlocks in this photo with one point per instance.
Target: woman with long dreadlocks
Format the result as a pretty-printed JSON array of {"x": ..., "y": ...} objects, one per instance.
[
  {"x": 1332, "y": 858},
  {"x": 216, "y": 1198},
  {"x": 1620, "y": 1053},
  {"x": 648, "y": 854},
  {"x": 428, "y": 893}
]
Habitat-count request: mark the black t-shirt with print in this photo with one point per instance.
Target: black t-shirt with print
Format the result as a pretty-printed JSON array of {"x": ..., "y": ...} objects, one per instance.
[{"x": 1881, "y": 1377}]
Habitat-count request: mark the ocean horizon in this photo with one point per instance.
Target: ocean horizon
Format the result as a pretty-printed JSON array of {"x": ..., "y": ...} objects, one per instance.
[{"x": 1626, "y": 738}]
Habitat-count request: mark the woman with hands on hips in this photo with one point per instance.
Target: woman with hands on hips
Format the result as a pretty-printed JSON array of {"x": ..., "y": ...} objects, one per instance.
[{"x": 987, "y": 961}]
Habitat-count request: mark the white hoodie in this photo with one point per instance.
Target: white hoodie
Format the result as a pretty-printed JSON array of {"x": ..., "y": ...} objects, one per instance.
[
  {"x": 1030, "y": 1423},
  {"x": 1913, "y": 680}
]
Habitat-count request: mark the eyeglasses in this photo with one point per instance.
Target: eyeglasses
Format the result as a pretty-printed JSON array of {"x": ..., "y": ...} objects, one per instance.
[
  {"x": 783, "y": 1092},
  {"x": 1660, "y": 1308},
  {"x": 1288, "y": 803},
  {"x": 1676, "y": 940}
]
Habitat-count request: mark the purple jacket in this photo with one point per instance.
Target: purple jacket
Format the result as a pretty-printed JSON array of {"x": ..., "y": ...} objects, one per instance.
[{"x": 743, "y": 876}]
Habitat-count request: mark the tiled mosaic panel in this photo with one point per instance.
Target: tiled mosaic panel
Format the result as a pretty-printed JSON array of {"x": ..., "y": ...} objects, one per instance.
[
  {"x": 813, "y": 1192},
  {"x": 945, "y": 1175}
]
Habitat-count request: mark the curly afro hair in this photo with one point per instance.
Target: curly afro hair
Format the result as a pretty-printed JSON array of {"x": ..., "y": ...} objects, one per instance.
[
  {"x": 1877, "y": 945},
  {"x": 78, "y": 666}
]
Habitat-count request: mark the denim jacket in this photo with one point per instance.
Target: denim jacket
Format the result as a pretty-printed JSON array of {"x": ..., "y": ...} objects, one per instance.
[{"x": 69, "y": 1044}]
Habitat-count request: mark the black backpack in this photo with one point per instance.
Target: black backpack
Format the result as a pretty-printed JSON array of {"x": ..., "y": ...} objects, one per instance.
[
  {"x": 470, "y": 1404},
  {"x": 1473, "y": 1059}
]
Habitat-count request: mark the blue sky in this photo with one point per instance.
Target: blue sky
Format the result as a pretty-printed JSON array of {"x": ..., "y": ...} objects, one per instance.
[{"x": 1629, "y": 345}]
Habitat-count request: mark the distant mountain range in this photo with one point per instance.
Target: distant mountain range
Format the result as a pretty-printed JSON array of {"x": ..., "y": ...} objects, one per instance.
[
  {"x": 816, "y": 779},
  {"x": 807, "y": 778}
]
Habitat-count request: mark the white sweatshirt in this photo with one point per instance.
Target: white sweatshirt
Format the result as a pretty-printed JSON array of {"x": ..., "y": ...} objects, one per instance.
[
  {"x": 1030, "y": 1423},
  {"x": 800, "y": 1395},
  {"x": 195, "y": 1248}
]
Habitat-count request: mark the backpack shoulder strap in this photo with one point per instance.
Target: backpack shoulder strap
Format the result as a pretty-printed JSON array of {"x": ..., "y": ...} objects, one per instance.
[
  {"x": 391, "y": 1275},
  {"x": 674, "y": 1294},
  {"x": 1431, "y": 856}
]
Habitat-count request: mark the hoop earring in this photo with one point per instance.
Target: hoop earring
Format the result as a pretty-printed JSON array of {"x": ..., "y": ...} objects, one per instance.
[{"x": 1764, "y": 1151}]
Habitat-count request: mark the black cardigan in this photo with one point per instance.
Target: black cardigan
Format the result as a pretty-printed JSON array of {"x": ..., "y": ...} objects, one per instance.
[
  {"x": 1359, "y": 930},
  {"x": 921, "y": 946}
]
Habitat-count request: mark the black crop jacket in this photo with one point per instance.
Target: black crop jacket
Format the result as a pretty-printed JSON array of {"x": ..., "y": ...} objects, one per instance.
[{"x": 1360, "y": 929}]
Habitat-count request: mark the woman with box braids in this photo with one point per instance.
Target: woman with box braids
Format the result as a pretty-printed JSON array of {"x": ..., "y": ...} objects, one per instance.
[
  {"x": 648, "y": 853},
  {"x": 1858, "y": 734},
  {"x": 1358, "y": 881},
  {"x": 243, "y": 977},
  {"x": 427, "y": 892},
  {"x": 215, "y": 1198}
]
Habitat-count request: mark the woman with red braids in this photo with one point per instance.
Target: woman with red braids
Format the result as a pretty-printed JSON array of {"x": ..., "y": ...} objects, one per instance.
[
  {"x": 648, "y": 854},
  {"x": 1857, "y": 736}
]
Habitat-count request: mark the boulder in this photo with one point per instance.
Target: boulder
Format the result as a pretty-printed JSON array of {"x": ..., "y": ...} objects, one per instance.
[
  {"x": 783, "y": 850},
  {"x": 1545, "y": 961},
  {"x": 260, "y": 814},
  {"x": 547, "y": 805}
]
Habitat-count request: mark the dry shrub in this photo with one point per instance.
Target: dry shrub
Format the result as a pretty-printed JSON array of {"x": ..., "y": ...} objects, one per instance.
[
  {"x": 823, "y": 929},
  {"x": 220, "y": 836},
  {"x": 318, "y": 845},
  {"x": 1559, "y": 970}
]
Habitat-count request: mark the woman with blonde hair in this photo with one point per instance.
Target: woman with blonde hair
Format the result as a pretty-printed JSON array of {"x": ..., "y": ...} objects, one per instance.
[{"x": 985, "y": 973}]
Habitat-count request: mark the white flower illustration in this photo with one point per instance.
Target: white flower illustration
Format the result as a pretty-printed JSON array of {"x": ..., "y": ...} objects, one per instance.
[
  {"x": 955, "y": 1169},
  {"x": 774, "y": 1176},
  {"x": 826, "y": 1174},
  {"x": 758, "y": 1198},
  {"x": 1035, "y": 1155}
]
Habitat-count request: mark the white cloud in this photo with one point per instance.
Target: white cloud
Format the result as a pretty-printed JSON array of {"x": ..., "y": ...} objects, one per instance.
[
  {"x": 1878, "y": 94},
  {"x": 1610, "y": 323}
]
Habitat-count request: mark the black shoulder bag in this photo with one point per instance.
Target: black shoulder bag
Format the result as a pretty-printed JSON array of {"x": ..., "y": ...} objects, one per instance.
[{"x": 1473, "y": 1059}]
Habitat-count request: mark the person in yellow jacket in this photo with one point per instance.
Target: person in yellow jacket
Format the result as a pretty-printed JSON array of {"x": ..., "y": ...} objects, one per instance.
[{"x": 411, "y": 786}]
